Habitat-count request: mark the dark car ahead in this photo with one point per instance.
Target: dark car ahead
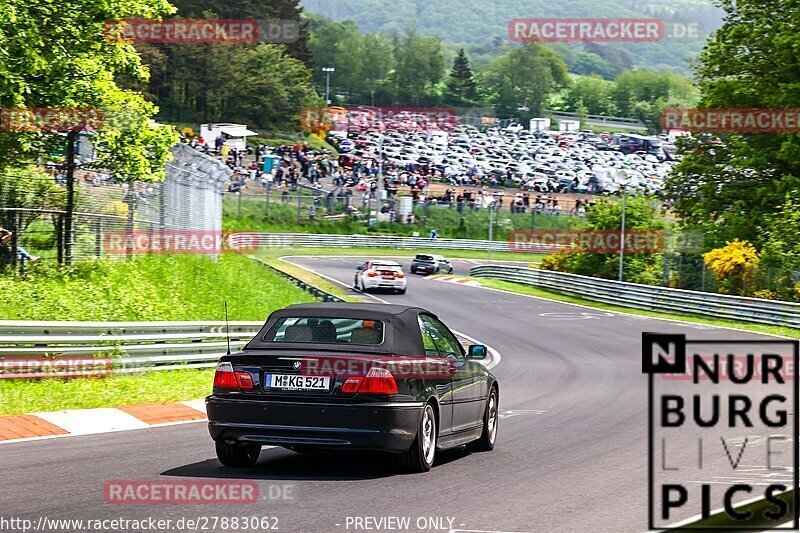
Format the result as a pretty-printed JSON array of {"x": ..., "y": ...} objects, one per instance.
[
  {"x": 430, "y": 264},
  {"x": 334, "y": 376}
]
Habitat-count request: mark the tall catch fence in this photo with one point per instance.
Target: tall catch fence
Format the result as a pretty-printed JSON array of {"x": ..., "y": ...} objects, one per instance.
[{"x": 190, "y": 198}]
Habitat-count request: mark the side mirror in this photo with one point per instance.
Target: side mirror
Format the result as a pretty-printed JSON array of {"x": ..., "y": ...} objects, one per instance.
[{"x": 477, "y": 351}]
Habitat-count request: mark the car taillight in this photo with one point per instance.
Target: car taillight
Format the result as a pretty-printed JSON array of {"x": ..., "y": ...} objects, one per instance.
[
  {"x": 351, "y": 384},
  {"x": 224, "y": 376},
  {"x": 399, "y": 275},
  {"x": 372, "y": 274},
  {"x": 378, "y": 381},
  {"x": 245, "y": 380}
]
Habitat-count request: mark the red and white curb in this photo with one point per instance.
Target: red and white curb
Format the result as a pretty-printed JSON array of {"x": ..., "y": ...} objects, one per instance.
[
  {"x": 48, "y": 425},
  {"x": 454, "y": 279}
]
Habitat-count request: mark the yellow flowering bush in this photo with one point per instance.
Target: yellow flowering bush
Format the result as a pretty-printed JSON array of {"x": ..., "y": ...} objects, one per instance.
[{"x": 734, "y": 265}]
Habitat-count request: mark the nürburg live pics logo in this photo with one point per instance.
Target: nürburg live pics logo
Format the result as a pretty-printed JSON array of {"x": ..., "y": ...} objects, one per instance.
[{"x": 722, "y": 433}]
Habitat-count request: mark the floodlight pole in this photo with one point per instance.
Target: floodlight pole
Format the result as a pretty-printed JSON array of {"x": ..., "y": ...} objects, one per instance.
[
  {"x": 69, "y": 224},
  {"x": 379, "y": 188},
  {"x": 491, "y": 223},
  {"x": 622, "y": 232},
  {"x": 327, "y": 71}
]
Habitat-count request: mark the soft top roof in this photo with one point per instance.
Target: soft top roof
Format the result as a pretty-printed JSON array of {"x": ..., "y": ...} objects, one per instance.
[{"x": 401, "y": 335}]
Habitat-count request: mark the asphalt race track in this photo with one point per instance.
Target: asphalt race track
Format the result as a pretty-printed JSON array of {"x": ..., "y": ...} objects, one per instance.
[{"x": 571, "y": 452}]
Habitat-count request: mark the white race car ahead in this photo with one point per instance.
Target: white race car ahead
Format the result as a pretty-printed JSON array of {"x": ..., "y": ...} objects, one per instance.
[{"x": 380, "y": 274}]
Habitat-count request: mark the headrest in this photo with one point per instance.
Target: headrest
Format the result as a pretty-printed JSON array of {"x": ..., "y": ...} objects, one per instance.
[
  {"x": 365, "y": 336},
  {"x": 298, "y": 334}
]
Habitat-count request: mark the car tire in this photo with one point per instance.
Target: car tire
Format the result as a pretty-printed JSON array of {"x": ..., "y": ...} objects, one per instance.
[
  {"x": 490, "y": 418},
  {"x": 237, "y": 456},
  {"x": 401, "y": 291},
  {"x": 420, "y": 456}
]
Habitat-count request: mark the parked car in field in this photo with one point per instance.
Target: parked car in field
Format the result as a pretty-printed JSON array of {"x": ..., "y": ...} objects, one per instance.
[
  {"x": 430, "y": 264},
  {"x": 380, "y": 274},
  {"x": 345, "y": 376}
]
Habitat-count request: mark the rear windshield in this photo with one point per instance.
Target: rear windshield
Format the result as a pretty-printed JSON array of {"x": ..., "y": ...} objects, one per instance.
[
  {"x": 379, "y": 266},
  {"x": 424, "y": 257},
  {"x": 326, "y": 331}
]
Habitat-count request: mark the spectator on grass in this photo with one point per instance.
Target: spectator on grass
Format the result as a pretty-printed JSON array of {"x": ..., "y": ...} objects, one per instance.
[{"x": 6, "y": 251}]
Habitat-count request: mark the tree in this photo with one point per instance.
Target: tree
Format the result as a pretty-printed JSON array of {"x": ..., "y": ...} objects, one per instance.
[
  {"x": 644, "y": 94},
  {"x": 462, "y": 90},
  {"x": 523, "y": 78},
  {"x": 267, "y": 87},
  {"x": 254, "y": 9},
  {"x": 63, "y": 59},
  {"x": 419, "y": 66},
  {"x": 591, "y": 91},
  {"x": 641, "y": 213},
  {"x": 31, "y": 188},
  {"x": 730, "y": 185}
]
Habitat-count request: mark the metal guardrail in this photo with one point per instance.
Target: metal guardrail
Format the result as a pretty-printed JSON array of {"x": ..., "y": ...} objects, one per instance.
[
  {"x": 601, "y": 120},
  {"x": 292, "y": 240},
  {"x": 130, "y": 346},
  {"x": 654, "y": 298},
  {"x": 319, "y": 293}
]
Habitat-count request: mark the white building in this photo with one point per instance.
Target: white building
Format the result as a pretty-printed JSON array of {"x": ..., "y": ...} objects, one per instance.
[{"x": 233, "y": 135}]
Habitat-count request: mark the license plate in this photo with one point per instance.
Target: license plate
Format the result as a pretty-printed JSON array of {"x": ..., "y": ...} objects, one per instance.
[{"x": 295, "y": 382}]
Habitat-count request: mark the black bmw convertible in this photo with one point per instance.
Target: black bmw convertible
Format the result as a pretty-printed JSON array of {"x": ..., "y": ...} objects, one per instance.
[{"x": 344, "y": 376}]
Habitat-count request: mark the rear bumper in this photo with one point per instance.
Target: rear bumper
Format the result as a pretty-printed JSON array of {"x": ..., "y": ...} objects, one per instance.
[
  {"x": 385, "y": 284},
  {"x": 422, "y": 269},
  {"x": 360, "y": 426}
]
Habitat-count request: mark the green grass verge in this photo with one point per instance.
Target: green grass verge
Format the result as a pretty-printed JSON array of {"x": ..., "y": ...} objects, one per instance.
[
  {"x": 552, "y": 295},
  {"x": 312, "y": 279},
  {"x": 18, "y": 396},
  {"x": 148, "y": 288},
  {"x": 447, "y": 222},
  {"x": 291, "y": 139}
]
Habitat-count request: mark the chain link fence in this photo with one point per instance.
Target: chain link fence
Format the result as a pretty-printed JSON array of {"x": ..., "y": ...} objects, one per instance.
[
  {"x": 689, "y": 271},
  {"x": 190, "y": 198}
]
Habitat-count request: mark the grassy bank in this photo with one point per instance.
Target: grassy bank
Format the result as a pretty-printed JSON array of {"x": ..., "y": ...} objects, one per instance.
[
  {"x": 148, "y": 288},
  {"x": 18, "y": 396},
  {"x": 448, "y": 222}
]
